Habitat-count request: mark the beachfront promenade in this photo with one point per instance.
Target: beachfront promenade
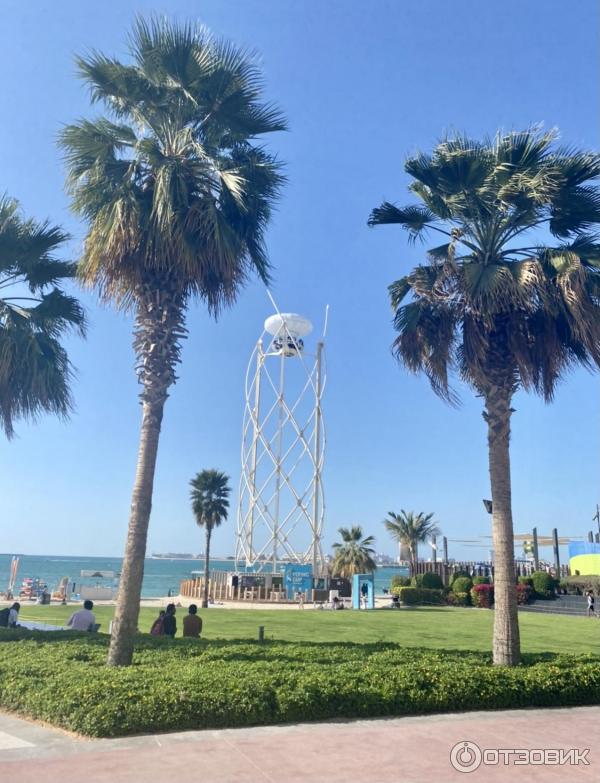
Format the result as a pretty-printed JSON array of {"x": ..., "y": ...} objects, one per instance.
[{"x": 400, "y": 750}]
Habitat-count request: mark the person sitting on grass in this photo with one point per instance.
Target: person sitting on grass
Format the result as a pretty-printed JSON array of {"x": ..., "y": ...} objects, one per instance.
[
  {"x": 192, "y": 624},
  {"x": 9, "y": 616},
  {"x": 157, "y": 626},
  {"x": 13, "y": 615},
  {"x": 84, "y": 619},
  {"x": 169, "y": 622}
]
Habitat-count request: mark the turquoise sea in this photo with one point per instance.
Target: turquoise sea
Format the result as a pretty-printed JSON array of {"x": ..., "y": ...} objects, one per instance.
[{"x": 160, "y": 576}]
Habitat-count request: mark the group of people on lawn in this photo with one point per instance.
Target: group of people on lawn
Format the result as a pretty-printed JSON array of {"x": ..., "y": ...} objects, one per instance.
[
  {"x": 84, "y": 620},
  {"x": 166, "y": 624}
]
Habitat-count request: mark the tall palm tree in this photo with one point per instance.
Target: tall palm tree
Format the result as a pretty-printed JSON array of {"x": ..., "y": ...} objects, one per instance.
[
  {"x": 354, "y": 554},
  {"x": 210, "y": 504},
  {"x": 177, "y": 194},
  {"x": 494, "y": 302},
  {"x": 410, "y": 529},
  {"x": 35, "y": 313}
]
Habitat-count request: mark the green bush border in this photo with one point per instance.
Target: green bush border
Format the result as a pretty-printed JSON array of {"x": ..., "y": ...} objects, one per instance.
[{"x": 199, "y": 685}]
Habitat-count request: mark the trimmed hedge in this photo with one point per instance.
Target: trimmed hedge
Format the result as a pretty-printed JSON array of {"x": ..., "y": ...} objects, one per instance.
[
  {"x": 544, "y": 584},
  {"x": 191, "y": 684},
  {"x": 421, "y": 595},
  {"x": 458, "y": 599},
  {"x": 428, "y": 580},
  {"x": 579, "y": 585},
  {"x": 462, "y": 584},
  {"x": 457, "y": 575},
  {"x": 481, "y": 580}
]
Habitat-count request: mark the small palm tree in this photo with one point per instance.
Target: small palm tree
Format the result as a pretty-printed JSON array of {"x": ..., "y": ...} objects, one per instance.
[
  {"x": 494, "y": 303},
  {"x": 35, "y": 371},
  {"x": 177, "y": 193},
  {"x": 210, "y": 504},
  {"x": 354, "y": 554},
  {"x": 410, "y": 529}
]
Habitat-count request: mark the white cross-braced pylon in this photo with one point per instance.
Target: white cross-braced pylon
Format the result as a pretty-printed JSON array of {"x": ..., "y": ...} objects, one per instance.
[{"x": 281, "y": 501}]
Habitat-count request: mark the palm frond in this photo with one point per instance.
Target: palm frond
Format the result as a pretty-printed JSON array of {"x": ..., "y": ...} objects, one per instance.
[{"x": 413, "y": 219}]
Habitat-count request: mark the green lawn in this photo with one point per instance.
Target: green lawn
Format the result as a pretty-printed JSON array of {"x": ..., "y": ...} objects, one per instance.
[{"x": 433, "y": 628}]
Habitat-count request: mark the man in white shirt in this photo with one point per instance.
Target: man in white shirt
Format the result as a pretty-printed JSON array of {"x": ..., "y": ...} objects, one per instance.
[
  {"x": 13, "y": 615},
  {"x": 84, "y": 619}
]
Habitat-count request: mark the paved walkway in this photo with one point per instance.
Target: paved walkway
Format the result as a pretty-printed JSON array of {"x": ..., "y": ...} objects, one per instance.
[{"x": 400, "y": 750}]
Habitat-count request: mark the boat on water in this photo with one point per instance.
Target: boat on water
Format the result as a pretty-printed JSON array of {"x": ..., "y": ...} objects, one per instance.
[{"x": 175, "y": 556}]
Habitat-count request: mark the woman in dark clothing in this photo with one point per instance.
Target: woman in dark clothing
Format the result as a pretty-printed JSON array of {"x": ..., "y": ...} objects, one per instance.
[{"x": 169, "y": 621}]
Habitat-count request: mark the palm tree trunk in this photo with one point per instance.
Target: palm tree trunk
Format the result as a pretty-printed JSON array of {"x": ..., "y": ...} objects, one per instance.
[
  {"x": 132, "y": 573},
  {"x": 159, "y": 327},
  {"x": 506, "y": 645},
  {"x": 206, "y": 566}
]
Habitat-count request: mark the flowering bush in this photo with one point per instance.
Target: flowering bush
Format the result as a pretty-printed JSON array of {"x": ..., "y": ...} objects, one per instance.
[
  {"x": 524, "y": 593},
  {"x": 483, "y": 596}
]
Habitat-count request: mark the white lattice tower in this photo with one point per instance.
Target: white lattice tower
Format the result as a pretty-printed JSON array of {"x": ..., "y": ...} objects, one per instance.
[{"x": 281, "y": 501}]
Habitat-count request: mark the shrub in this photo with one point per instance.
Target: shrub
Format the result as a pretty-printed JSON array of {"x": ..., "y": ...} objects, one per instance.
[
  {"x": 457, "y": 575},
  {"x": 458, "y": 599},
  {"x": 578, "y": 585},
  {"x": 543, "y": 584},
  {"x": 526, "y": 580},
  {"x": 181, "y": 684},
  {"x": 462, "y": 585},
  {"x": 400, "y": 581},
  {"x": 420, "y": 595},
  {"x": 431, "y": 581},
  {"x": 481, "y": 580},
  {"x": 483, "y": 596},
  {"x": 524, "y": 593}
]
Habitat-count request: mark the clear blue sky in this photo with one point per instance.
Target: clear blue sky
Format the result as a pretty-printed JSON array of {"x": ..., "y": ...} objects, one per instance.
[{"x": 363, "y": 84}]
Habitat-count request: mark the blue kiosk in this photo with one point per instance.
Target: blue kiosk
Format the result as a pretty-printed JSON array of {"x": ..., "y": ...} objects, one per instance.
[
  {"x": 297, "y": 579},
  {"x": 363, "y": 591}
]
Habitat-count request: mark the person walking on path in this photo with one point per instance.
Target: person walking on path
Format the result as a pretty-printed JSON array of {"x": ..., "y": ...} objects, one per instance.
[{"x": 591, "y": 604}]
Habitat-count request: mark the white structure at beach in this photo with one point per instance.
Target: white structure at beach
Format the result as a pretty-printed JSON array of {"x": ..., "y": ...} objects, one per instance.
[{"x": 281, "y": 502}]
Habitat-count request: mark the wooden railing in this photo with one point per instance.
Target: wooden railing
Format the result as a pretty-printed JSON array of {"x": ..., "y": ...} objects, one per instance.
[
  {"x": 447, "y": 570},
  {"x": 221, "y": 589}
]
